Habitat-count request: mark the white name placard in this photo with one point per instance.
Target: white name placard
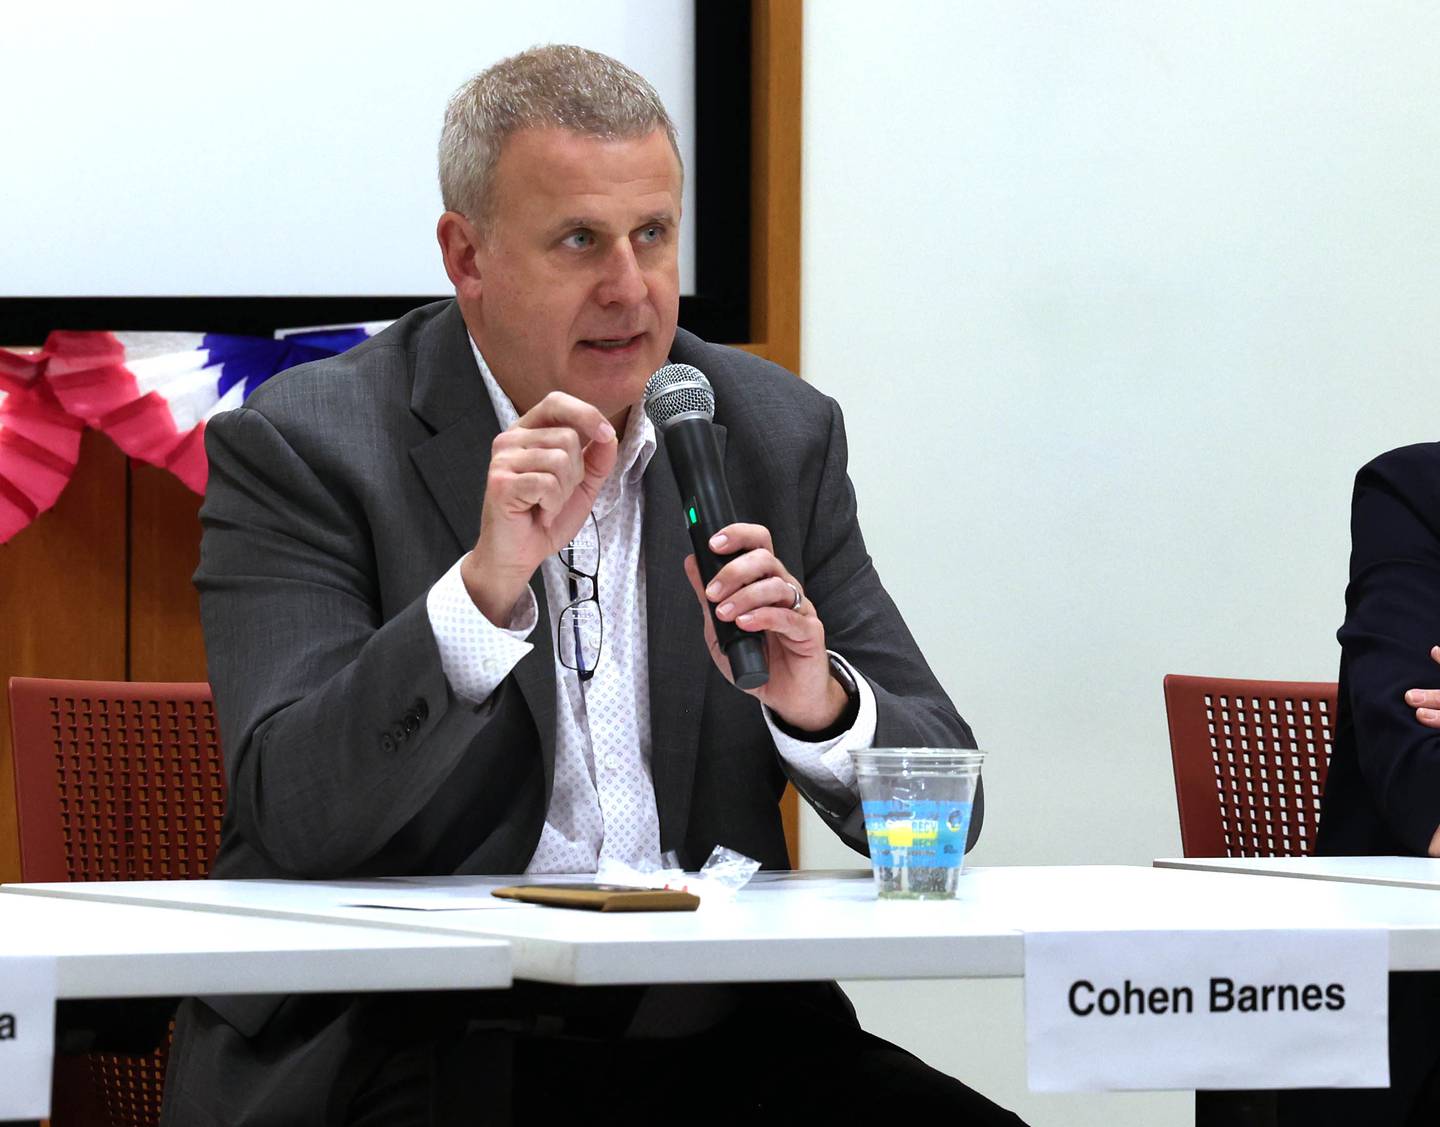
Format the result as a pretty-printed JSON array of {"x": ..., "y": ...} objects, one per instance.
[
  {"x": 27, "y": 1036},
  {"x": 1107, "y": 1011}
]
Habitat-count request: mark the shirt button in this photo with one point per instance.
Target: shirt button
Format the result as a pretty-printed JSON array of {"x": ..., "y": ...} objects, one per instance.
[
  {"x": 612, "y": 761},
  {"x": 490, "y": 666}
]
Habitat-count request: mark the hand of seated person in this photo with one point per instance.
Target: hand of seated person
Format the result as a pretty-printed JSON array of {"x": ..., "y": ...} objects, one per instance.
[
  {"x": 545, "y": 472},
  {"x": 1426, "y": 702},
  {"x": 756, "y": 592}
]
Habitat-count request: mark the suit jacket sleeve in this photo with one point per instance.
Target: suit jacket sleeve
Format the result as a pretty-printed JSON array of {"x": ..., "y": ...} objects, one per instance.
[
  {"x": 337, "y": 727},
  {"x": 1392, "y": 619},
  {"x": 863, "y": 624}
]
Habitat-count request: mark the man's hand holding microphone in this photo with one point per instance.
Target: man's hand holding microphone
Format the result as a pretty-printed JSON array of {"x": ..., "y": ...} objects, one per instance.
[
  {"x": 755, "y": 592},
  {"x": 545, "y": 473}
]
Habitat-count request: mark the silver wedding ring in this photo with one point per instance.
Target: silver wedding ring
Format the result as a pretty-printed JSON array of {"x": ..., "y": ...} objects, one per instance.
[{"x": 799, "y": 595}]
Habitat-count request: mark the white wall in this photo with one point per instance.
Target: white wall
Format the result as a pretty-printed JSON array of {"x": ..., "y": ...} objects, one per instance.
[{"x": 1118, "y": 296}]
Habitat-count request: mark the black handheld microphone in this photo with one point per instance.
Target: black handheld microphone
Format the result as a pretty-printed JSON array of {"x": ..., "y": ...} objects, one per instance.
[{"x": 681, "y": 404}]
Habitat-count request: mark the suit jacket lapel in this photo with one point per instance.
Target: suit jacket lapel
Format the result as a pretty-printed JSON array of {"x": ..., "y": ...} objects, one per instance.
[
  {"x": 679, "y": 661},
  {"x": 449, "y": 397}
]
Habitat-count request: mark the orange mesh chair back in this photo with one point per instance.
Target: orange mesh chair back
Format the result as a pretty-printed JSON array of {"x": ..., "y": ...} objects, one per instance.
[
  {"x": 114, "y": 780},
  {"x": 1250, "y": 763}
]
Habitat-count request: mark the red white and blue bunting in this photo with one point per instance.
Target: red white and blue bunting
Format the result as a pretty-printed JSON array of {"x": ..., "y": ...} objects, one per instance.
[{"x": 152, "y": 393}]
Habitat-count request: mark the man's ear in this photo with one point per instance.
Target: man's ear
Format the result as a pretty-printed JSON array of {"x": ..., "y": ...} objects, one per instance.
[{"x": 460, "y": 244}]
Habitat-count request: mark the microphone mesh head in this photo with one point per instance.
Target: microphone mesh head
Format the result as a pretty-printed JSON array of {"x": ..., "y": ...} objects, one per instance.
[{"x": 678, "y": 389}]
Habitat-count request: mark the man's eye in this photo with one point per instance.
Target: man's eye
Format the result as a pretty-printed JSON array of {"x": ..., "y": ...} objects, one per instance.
[
  {"x": 579, "y": 240},
  {"x": 652, "y": 234}
]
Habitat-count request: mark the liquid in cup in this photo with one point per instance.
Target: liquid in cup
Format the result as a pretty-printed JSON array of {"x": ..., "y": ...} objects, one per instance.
[{"x": 917, "y": 803}]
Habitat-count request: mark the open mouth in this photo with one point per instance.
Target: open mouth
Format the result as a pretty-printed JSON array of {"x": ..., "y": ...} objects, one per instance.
[{"x": 613, "y": 344}]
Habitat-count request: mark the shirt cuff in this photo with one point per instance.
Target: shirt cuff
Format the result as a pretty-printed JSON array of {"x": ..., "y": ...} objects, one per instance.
[
  {"x": 475, "y": 654},
  {"x": 827, "y": 764}
]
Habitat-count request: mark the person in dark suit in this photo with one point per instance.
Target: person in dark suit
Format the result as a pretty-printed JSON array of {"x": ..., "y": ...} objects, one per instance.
[
  {"x": 389, "y": 552},
  {"x": 1382, "y": 793}
]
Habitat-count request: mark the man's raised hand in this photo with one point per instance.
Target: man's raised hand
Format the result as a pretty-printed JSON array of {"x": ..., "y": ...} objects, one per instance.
[{"x": 545, "y": 472}]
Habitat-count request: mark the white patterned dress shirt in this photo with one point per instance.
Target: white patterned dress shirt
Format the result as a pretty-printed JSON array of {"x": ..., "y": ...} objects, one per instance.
[{"x": 602, "y": 807}]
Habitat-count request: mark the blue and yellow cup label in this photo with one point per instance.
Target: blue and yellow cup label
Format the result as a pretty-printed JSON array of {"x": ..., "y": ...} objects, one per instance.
[{"x": 917, "y": 835}]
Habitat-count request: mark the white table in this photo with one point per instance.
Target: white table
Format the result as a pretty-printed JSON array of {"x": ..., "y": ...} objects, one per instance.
[
  {"x": 791, "y": 927},
  {"x": 807, "y": 925},
  {"x": 108, "y": 950},
  {"x": 1394, "y": 872},
  {"x": 824, "y": 925}
]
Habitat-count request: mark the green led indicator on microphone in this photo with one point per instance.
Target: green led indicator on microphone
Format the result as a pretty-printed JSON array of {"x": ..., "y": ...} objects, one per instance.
[{"x": 694, "y": 519}]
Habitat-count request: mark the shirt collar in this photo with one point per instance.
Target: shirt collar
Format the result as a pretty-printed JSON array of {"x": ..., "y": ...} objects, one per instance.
[{"x": 637, "y": 444}]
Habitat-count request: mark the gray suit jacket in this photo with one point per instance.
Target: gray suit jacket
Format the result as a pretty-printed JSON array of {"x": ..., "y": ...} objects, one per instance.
[{"x": 337, "y": 496}]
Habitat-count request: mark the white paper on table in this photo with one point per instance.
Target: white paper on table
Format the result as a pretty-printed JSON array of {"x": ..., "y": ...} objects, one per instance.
[
  {"x": 27, "y": 1036},
  {"x": 451, "y": 894},
  {"x": 435, "y": 900},
  {"x": 1179, "y": 1032}
]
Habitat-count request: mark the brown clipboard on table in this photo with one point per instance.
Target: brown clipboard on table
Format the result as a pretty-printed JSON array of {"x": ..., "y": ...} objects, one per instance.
[{"x": 602, "y": 897}]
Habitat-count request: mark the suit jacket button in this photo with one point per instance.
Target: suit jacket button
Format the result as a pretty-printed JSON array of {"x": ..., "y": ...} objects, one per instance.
[
  {"x": 411, "y": 722},
  {"x": 420, "y": 708},
  {"x": 387, "y": 743},
  {"x": 399, "y": 733}
]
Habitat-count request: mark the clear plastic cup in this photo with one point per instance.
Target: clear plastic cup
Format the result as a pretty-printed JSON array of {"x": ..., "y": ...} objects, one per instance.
[{"x": 916, "y": 802}]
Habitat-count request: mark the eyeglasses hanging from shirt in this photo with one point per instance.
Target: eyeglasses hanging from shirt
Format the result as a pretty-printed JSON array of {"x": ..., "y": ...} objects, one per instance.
[{"x": 582, "y": 627}]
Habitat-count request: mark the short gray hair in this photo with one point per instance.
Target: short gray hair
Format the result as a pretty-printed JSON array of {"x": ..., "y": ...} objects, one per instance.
[{"x": 557, "y": 85}]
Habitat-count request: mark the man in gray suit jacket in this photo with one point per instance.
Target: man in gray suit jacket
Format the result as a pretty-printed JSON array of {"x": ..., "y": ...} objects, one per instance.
[{"x": 380, "y": 592}]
